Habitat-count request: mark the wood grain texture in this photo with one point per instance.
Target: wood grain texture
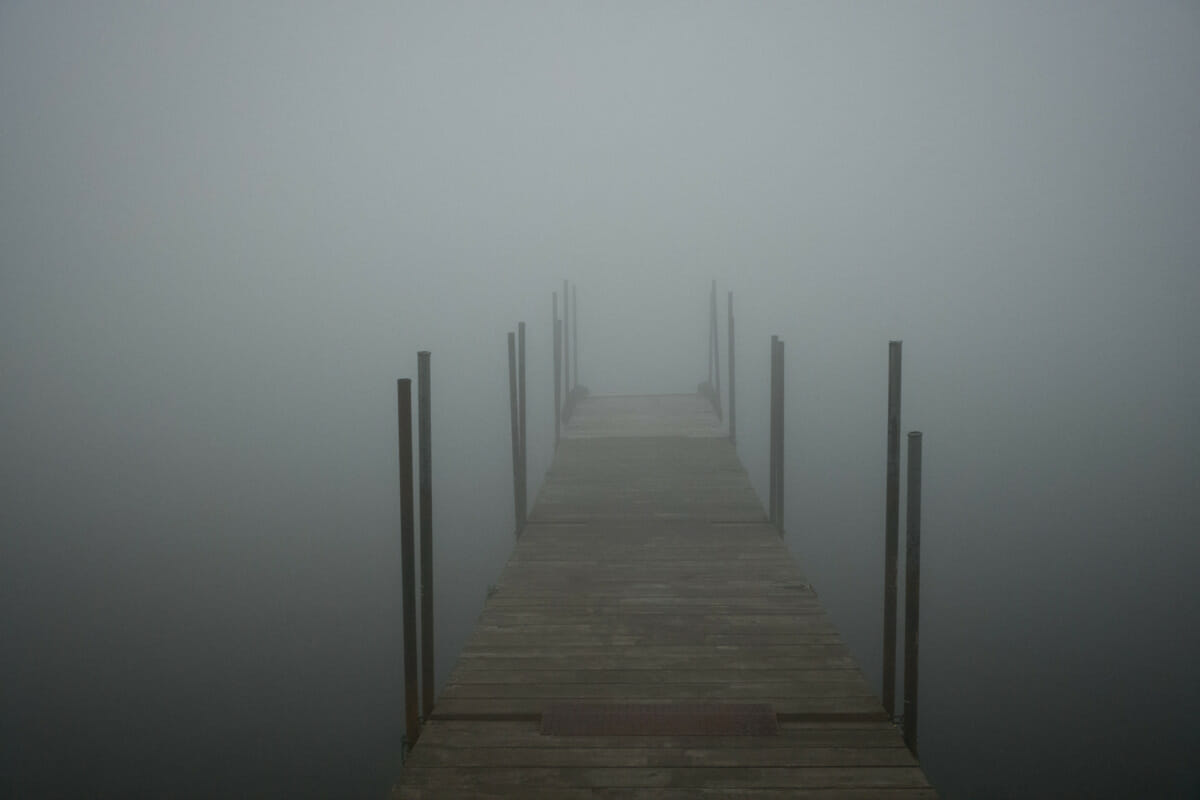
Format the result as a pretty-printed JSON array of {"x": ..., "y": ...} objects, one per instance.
[{"x": 648, "y": 575}]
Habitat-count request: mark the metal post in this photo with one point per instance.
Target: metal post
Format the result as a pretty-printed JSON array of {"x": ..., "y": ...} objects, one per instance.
[
  {"x": 407, "y": 567},
  {"x": 557, "y": 377},
  {"x": 732, "y": 392},
  {"x": 774, "y": 438},
  {"x": 710, "y": 346},
  {"x": 779, "y": 447},
  {"x": 425, "y": 462},
  {"x": 515, "y": 424},
  {"x": 912, "y": 590},
  {"x": 575, "y": 331},
  {"x": 716, "y": 350},
  {"x": 566, "y": 340},
  {"x": 523, "y": 493},
  {"x": 891, "y": 534}
]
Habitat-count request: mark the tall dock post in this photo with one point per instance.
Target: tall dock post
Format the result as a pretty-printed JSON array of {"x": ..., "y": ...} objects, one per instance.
[
  {"x": 891, "y": 529},
  {"x": 732, "y": 384},
  {"x": 780, "y": 406},
  {"x": 407, "y": 567},
  {"x": 775, "y": 510},
  {"x": 912, "y": 590},
  {"x": 566, "y": 328},
  {"x": 557, "y": 370},
  {"x": 575, "y": 332},
  {"x": 425, "y": 485},
  {"x": 515, "y": 425},
  {"x": 772, "y": 486},
  {"x": 716, "y": 350},
  {"x": 523, "y": 492}
]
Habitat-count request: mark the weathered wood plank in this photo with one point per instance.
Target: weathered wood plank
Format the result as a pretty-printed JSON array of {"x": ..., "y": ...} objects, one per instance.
[
  {"x": 469, "y": 734},
  {"x": 529, "y": 792},
  {"x": 637, "y": 756},
  {"x": 468, "y": 778},
  {"x": 453, "y": 706}
]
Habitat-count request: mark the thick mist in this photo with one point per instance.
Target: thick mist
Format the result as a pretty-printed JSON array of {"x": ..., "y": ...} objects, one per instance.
[{"x": 225, "y": 230}]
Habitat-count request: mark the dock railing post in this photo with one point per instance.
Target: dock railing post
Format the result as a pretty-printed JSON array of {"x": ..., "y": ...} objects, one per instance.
[
  {"x": 566, "y": 341},
  {"x": 407, "y": 567},
  {"x": 425, "y": 486},
  {"x": 773, "y": 486},
  {"x": 912, "y": 591},
  {"x": 515, "y": 425},
  {"x": 557, "y": 371},
  {"x": 732, "y": 383},
  {"x": 523, "y": 492},
  {"x": 575, "y": 332},
  {"x": 891, "y": 529},
  {"x": 716, "y": 351},
  {"x": 712, "y": 337},
  {"x": 780, "y": 461}
]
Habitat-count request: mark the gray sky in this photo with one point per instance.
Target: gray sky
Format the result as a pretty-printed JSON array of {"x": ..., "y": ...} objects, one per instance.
[{"x": 225, "y": 228}]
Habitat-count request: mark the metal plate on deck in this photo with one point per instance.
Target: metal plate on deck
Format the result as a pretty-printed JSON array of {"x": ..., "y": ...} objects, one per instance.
[{"x": 659, "y": 719}]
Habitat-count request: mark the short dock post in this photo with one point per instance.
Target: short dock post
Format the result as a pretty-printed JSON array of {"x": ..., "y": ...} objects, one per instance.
[
  {"x": 912, "y": 591},
  {"x": 557, "y": 370},
  {"x": 891, "y": 529},
  {"x": 523, "y": 492},
  {"x": 425, "y": 486},
  {"x": 407, "y": 567},
  {"x": 732, "y": 390},
  {"x": 515, "y": 424}
]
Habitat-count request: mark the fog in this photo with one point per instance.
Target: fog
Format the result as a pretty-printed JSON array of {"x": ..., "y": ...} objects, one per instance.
[{"x": 227, "y": 228}]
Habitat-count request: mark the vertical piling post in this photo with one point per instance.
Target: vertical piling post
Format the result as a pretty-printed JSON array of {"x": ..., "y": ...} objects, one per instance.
[
  {"x": 425, "y": 488},
  {"x": 523, "y": 492},
  {"x": 716, "y": 350},
  {"x": 515, "y": 425},
  {"x": 566, "y": 341},
  {"x": 780, "y": 405},
  {"x": 407, "y": 567},
  {"x": 912, "y": 590},
  {"x": 773, "y": 486},
  {"x": 575, "y": 332},
  {"x": 712, "y": 335},
  {"x": 557, "y": 375},
  {"x": 732, "y": 384},
  {"x": 891, "y": 529}
]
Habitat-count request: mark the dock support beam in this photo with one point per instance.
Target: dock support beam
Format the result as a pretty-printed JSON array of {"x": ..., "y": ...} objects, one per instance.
[
  {"x": 912, "y": 590},
  {"x": 732, "y": 380},
  {"x": 407, "y": 567},
  {"x": 891, "y": 529},
  {"x": 425, "y": 486}
]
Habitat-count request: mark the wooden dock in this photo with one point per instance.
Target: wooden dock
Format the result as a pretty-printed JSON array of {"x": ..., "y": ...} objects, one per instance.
[{"x": 652, "y": 637}]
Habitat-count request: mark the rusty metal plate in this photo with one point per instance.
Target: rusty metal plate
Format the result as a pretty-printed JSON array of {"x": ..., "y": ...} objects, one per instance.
[{"x": 659, "y": 719}]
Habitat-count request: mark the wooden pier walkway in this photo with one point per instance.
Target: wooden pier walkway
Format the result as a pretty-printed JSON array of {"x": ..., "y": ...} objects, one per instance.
[{"x": 652, "y": 637}]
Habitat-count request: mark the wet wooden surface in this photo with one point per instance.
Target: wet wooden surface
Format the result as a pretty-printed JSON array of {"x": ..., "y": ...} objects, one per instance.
[{"x": 648, "y": 576}]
